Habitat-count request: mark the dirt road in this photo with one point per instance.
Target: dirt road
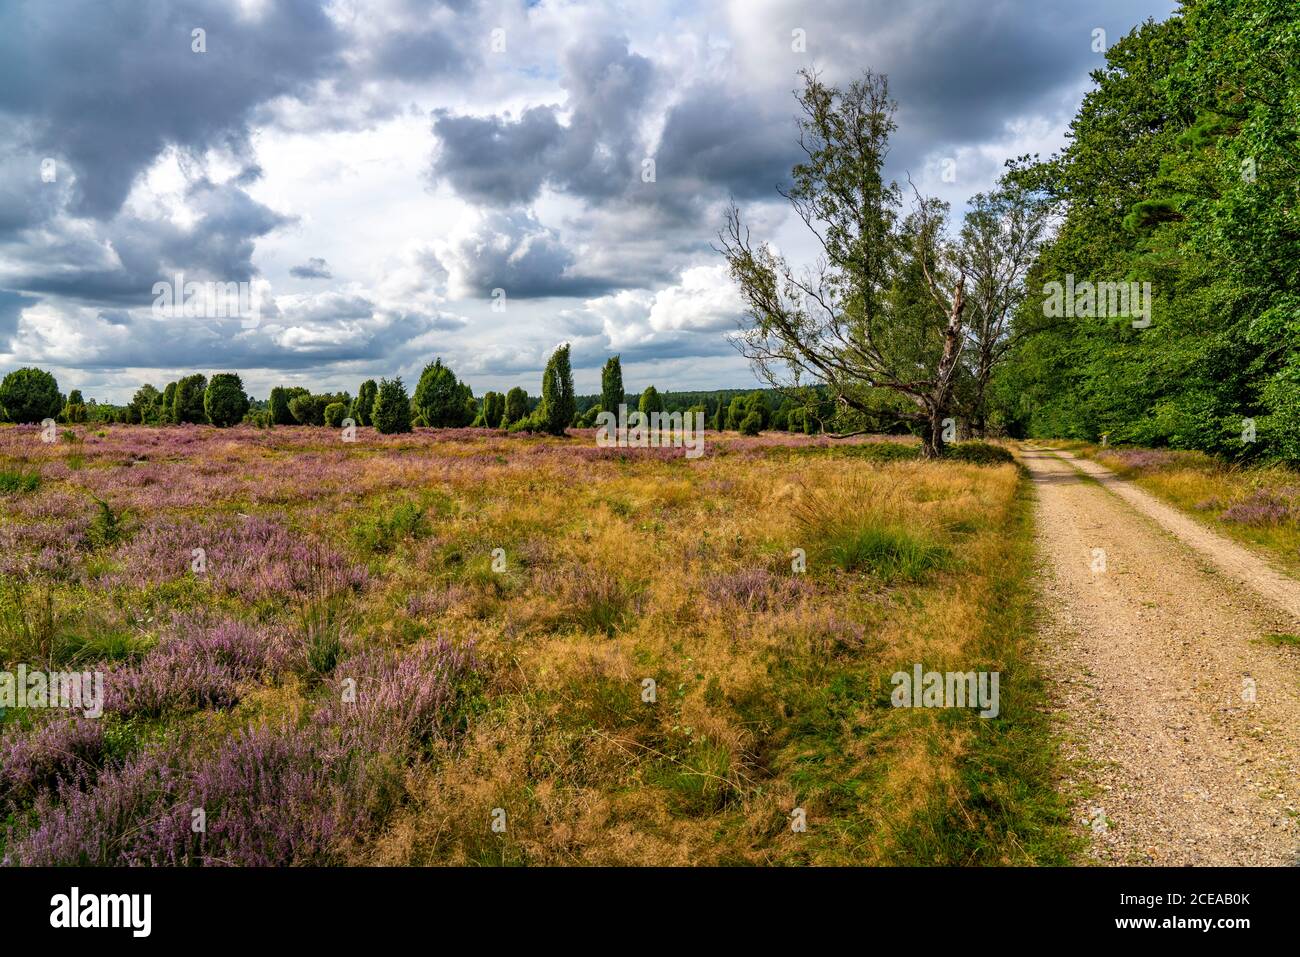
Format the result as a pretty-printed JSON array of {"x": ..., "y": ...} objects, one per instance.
[{"x": 1181, "y": 719}]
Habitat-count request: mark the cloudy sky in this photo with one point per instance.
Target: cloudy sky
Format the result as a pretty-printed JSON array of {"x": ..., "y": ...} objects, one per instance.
[{"x": 376, "y": 169}]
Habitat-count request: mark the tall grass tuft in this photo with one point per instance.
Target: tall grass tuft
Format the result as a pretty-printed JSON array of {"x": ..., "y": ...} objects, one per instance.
[
  {"x": 891, "y": 552},
  {"x": 17, "y": 481},
  {"x": 866, "y": 523}
]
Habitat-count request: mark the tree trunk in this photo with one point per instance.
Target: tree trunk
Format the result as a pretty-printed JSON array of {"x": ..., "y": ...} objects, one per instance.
[
  {"x": 936, "y": 405},
  {"x": 932, "y": 433}
]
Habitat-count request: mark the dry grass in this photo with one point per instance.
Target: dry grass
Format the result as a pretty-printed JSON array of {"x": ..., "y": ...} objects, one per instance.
[{"x": 772, "y": 687}]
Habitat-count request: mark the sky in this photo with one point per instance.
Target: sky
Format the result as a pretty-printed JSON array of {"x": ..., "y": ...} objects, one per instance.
[{"x": 482, "y": 181}]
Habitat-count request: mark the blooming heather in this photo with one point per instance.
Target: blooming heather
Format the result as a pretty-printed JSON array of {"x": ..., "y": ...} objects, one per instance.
[
  {"x": 196, "y": 666},
  {"x": 269, "y": 796}
]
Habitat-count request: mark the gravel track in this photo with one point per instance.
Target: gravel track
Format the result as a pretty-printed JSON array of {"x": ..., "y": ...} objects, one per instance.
[{"x": 1154, "y": 647}]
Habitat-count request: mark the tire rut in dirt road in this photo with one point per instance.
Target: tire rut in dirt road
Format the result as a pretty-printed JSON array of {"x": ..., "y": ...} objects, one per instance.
[{"x": 1153, "y": 660}]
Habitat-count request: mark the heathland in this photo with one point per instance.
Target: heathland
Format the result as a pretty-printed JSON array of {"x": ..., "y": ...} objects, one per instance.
[{"x": 461, "y": 646}]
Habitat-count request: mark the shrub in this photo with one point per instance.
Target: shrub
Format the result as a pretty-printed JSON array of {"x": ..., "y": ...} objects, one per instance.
[
  {"x": 529, "y": 424},
  {"x": 143, "y": 407},
  {"x": 392, "y": 412},
  {"x": 106, "y": 527},
  {"x": 442, "y": 400},
  {"x": 335, "y": 413},
  {"x": 308, "y": 409},
  {"x": 650, "y": 401},
  {"x": 187, "y": 405},
  {"x": 979, "y": 453},
  {"x": 12, "y": 482},
  {"x": 516, "y": 407},
  {"x": 364, "y": 406},
  {"x": 611, "y": 385},
  {"x": 889, "y": 551},
  {"x": 752, "y": 424},
  {"x": 280, "y": 399},
  {"x": 224, "y": 400},
  {"x": 30, "y": 395},
  {"x": 198, "y": 666},
  {"x": 167, "y": 404},
  {"x": 558, "y": 403},
  {"x": 380, "y": 532}
]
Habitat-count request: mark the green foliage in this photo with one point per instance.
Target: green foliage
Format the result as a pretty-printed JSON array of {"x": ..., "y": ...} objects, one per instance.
[
  {"x": 558, "y": 405},
  {"x": 516, "y": 407},
  {"x": 281, "y": 396},
  {"x": 490, "y": 412},
  {"x": 74, "y": 410},
  {"x": 106, "y": 527},
  {"x": 145, "y": 405},
  {"x": 167, "y": 405},
  {"x": 18, "y": 481},
  {"x": 364, "y": 405},
  {"x": 442, "y": 400},
  {"x": 1191, "y": 139},
  {"x": 30, "y": 395},
  {"x": 309, "y": 409},
  {"x": 187, "y": 404},
  {"x": 649, "y": 401},
  {"x": 224, "y": 401},
  {"x": 611, "y": 384},
  {"x": 979, "y": 453},
  {"x": 891, "y": 552},
  {"x": 380, "y": 531},
  {"x": 392, "y": 411},
  {"x": 335, "y": 413},
  {"x": 752, "y": 424}
]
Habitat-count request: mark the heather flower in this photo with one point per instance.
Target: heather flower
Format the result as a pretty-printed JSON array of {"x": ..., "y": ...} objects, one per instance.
[
  {"x": 400, "y": 701},
  {"x": 1143, "y": 460},
  {"x": 62, "y": 750},
  {"x": 99, "y": 826},
  {"x": 252, "y": 558},
  {"x": 197, "y": 666},
  {"x": 1262, "y": 507},
  {"x": 270, "y": 797},
  {"x": 754, "y": 589}
]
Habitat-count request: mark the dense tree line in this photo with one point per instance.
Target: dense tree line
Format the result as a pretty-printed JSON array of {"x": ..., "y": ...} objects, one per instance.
[
  {"x": 440, "y": 400},
  {"x": 1182, "y": 171}
]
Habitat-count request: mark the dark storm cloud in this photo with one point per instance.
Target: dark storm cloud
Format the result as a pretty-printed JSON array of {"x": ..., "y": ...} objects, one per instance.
[
  {"x": 313, "y": 268},
  {"x": 717, "y": 140},
  {"x": 514, "y": 252},
  {"x": 75, "y": 265},
  {"x": 106, "y": 86},
  {"x": 498, "y": 161},
  {"x": 502, "y": 161},
  {"x": 961, "y": 69},
  {"x": 11, "y": 306},
  {"x": 331, "y": 327},
  {"x": 419, "y": 54}
]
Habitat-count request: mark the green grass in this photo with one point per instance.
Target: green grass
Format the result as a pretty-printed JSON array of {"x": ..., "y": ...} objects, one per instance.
[
  {"x": 382, "y": 529},
  {"x": 890, "y": 552},
  {"x": 1283, "y": 639},
  {"x": 16, "y": 482},
  {"x": 1005, "y": 807}
]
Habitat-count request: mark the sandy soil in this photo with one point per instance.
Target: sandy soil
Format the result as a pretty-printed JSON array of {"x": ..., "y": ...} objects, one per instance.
[{"x": 1155, "y": 647}]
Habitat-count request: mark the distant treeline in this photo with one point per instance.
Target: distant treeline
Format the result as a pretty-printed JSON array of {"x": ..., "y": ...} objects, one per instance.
[{"x": 440, "y": 400}]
